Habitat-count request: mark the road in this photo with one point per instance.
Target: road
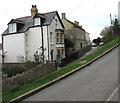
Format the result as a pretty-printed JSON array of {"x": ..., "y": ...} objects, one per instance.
[{"x": 96, "y": 82}]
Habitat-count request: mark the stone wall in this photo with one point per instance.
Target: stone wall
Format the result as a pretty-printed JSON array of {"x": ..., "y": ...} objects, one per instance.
[
  {"x": 5, "y": 65},
  {"x": 28, "y": 76}
]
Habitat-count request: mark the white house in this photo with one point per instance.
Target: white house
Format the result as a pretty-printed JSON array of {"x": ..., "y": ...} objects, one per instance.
[
  {"x": 0, "y": 53},
  {"x": 40, "y": 32}
]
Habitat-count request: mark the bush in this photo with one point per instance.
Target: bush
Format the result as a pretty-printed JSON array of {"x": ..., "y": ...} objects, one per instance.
[
  {"x": 12, "y": 71},
  {"x": 30, "y": 65}
]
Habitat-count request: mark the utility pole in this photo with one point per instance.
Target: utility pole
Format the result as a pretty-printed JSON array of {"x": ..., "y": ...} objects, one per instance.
[{"x": 111, "y": 24}]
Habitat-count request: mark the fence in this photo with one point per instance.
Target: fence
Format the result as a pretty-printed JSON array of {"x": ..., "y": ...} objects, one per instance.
[
  {"x": 74, "y": 56},
  {"x": 28, "y": 76}
]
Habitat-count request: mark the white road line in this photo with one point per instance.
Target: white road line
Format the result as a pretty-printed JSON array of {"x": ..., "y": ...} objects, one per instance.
[{"x": 115, "y": 91}]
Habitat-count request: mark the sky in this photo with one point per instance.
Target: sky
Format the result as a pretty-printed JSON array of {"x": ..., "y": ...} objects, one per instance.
[{"x": 93, "y": 15}]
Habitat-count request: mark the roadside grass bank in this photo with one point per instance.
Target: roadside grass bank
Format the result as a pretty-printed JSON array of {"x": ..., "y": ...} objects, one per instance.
[{"x": 21, "y": 89}]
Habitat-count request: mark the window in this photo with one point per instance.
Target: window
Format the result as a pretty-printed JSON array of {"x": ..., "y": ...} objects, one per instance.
[
  {"x": 81, "y": 45},
  {"x": 12, "y": 28},
  {"x": 58, "y": 38},
  {"x": 51, "y": 37},
  {"x": 26, "y": 40},
  {"x": 37, "y": 21},
  {"x": 62, "y": 38},
  {"x": 26, "y": 55}
]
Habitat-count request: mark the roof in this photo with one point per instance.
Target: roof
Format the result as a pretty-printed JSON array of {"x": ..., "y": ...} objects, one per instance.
[
  {"x": 75, "y": 25},
  {"x": 16, "y": 21},
  {"x": 28, "y": 21}
]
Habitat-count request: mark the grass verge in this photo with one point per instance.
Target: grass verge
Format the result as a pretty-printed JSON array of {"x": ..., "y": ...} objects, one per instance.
[{"x": 21, "y": 89}]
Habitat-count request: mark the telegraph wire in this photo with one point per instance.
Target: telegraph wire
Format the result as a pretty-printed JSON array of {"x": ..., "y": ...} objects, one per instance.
[
  {"x": 91, "y": 10},
  {"x": 76, "y": 8}
]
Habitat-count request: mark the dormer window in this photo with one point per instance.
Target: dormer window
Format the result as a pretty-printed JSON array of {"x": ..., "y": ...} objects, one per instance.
[
  {"x": 37, "y": 21},
  {"x": 12, "y": 28}
]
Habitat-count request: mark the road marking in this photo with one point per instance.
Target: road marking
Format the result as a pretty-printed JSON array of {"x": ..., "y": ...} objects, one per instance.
[{"x": 112, "y": 95}]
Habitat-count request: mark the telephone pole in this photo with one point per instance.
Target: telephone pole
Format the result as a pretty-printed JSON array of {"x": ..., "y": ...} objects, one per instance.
[{"x": 111, "y": 22}]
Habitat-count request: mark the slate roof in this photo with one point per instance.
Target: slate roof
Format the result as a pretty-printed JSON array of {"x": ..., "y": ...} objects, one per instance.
[
  {"x": 75, "y": 25},
  {"x": 27, "y": 21}
]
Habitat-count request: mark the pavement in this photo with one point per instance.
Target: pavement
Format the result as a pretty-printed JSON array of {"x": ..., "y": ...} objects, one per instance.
[
  {"x": 96, "y": 82},
  {"x": 91, "y": 51}
]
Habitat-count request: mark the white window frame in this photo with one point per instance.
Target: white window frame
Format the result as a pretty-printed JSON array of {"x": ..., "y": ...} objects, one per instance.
[
  {"x": 12, "y": 28},
  {"x": 57, "y": 38},
  {"x": 37, "y": 21}
]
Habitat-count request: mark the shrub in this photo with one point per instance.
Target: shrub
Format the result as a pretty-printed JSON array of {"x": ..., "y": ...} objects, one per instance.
[
  {"x": 12, "y": 71},
  {"x": 30, "y": 64}
]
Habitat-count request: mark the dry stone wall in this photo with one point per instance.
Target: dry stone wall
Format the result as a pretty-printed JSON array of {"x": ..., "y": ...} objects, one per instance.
[{"x": 28, "y": 76}]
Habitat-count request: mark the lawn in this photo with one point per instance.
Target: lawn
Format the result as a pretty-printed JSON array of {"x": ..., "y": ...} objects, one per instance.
[{"x": 21, "y": 89}]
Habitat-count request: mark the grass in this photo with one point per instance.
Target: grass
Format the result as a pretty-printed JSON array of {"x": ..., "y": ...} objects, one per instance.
[{"x": 21, "y": 89}]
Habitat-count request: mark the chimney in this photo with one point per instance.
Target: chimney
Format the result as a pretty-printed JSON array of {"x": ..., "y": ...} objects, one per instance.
[
  {"x": 77, "y": 23},
  {"x": 34, "y": 10},
  {"x": 63, "y": 16}
]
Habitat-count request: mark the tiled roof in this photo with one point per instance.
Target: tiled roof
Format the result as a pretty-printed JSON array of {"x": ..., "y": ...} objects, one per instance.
[{"x": 28, "y": 21}]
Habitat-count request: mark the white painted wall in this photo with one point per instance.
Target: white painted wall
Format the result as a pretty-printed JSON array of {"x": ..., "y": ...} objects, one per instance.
[
  {"x": 34, "y": 41},
  {"x": 1, "y": 56},
  {"x": 34, "y": 38},
  {"x": 45, "y": 38},
  {"x": 52, "y": 28},
  {"x": 13, "y": 45}
]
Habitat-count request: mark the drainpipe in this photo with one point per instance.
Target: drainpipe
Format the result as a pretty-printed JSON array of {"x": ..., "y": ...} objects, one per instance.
[
  {"x": 2, "y": 51},
  {"x": 48, "y": 42},
  {"x": 42, "y": 43}
]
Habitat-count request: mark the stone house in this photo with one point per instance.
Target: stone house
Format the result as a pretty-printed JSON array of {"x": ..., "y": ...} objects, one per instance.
[
  {"x": 74, "y": 36},
  {"x": 41, "y": 33},
  {"x": 88, "y": 41}
]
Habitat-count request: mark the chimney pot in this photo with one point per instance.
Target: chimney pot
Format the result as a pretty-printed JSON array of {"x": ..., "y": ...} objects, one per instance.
[
  {"x": 63, "y": 16},
  {"x": 77, "y": 23},
  {"x": 34, "y": 10}
]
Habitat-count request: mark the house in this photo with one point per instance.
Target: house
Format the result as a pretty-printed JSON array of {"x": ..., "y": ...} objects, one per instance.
[
  {"x": 41, "y": 33},
  {"x": 0, "y": 53},
  {"x": 74, "y": 36},
  {"x": 87, "y": 37}
]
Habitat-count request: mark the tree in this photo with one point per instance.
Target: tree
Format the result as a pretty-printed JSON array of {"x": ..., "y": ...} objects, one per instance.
[
  {"x": 97, "y": 41},
  {"x": 110, "y": 33},
  {"x": 106, "y": 31},
  {"x": 116, "y": 29}
]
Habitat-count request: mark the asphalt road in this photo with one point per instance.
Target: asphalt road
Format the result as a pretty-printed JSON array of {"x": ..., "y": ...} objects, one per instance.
[{"x": 96, "y": 82}]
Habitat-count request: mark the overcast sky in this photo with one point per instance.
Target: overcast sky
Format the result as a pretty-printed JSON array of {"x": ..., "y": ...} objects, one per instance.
[{"x": 93, "y": 15}]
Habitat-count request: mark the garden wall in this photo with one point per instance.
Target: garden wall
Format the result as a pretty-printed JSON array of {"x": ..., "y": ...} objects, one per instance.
[{"x": 28, "y": 76}]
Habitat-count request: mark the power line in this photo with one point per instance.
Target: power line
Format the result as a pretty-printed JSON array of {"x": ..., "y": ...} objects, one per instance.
[
  {"x": 91, "y": 10},
  {"x": 76, "y": 8}
]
